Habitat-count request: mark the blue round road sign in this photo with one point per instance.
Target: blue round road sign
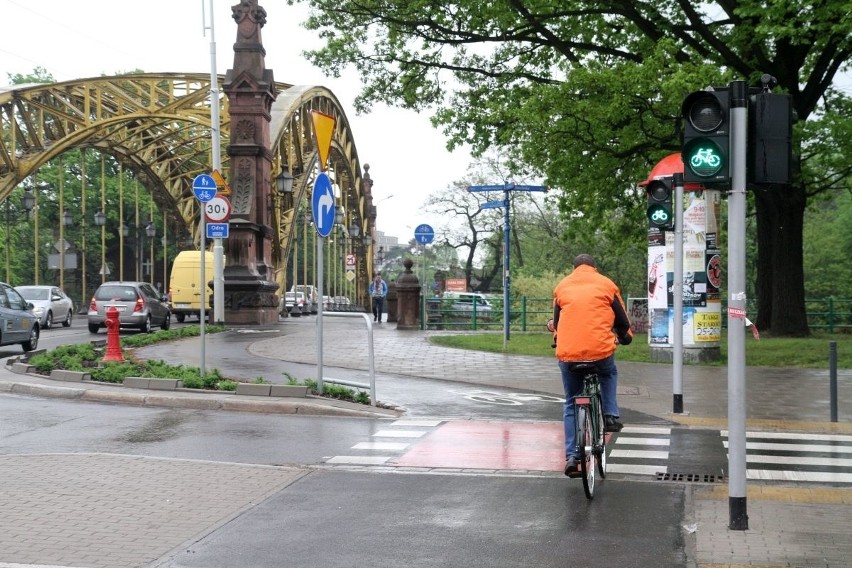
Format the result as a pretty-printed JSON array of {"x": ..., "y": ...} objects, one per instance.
[
  {"x": 322, "y": 205},
  {"x": 204, "y": 188},
  {"x": 424, "y": 234}
]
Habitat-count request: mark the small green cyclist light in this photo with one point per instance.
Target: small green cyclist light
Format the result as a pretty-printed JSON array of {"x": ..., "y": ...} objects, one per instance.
[{"x": 660, "y": 212}]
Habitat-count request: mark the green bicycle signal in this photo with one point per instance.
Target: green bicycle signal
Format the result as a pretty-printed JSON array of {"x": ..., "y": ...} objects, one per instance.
[
  {"x": 704, "y": 158},
  {"x": 659, "y": 216},
  {"x": 660, "y": 212}
]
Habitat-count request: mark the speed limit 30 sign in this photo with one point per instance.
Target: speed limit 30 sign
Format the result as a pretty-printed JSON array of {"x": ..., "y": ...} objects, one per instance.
[{"x": 217, "y": 210}]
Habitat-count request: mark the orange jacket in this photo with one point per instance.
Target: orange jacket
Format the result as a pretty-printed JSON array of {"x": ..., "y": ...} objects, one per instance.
[{"x": 589, "y": 315}]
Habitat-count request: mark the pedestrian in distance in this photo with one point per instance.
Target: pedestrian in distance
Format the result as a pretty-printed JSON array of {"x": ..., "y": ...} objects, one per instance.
[
  {"x": 378, "y": 290},
  {"x": 589, "y": 321}
]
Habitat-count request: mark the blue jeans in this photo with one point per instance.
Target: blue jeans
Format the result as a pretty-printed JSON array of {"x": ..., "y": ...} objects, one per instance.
[
  {"x": 378, "y": 307},
  {"x": 572, "y": 383}
]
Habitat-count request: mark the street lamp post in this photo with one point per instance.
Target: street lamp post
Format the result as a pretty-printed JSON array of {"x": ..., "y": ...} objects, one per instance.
[
  {"x": 165, "y": 242},
  {"x": 100, "y": 221},
  {"x": 380, "y": 259},
  {"x": 66, "y": 221},
  {"x": 284, "y": 187},
  {"x": 124, "y": 232},
  {"x": 354, "y": 249},
  {"x": 368, "y": 275},
  {"x": 336, "y": 256},
  {"x": 151, "y": 231},
  {"x": 306, "y": 219}
]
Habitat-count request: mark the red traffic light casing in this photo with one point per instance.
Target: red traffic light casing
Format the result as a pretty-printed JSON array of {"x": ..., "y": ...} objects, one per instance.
[
  {"x": 706, "y": 137},
  {"x": 770, "y": 134},
  {"x": 660, "y": 209}
]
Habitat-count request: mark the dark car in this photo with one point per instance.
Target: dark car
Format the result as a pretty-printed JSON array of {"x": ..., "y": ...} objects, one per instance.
[
  {"x": 18, "y": 323},
  {"x": 139, "y": 306}
]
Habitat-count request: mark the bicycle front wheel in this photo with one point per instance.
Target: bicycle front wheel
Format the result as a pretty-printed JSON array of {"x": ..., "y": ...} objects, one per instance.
[{"x": 586, "y": 444}]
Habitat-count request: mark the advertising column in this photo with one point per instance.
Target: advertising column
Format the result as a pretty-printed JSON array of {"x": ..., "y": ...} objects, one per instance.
[{"x": 702, "y": 266}]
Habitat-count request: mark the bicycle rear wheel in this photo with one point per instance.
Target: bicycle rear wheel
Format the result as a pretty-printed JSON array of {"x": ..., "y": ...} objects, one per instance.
[
  {"x": 586, "y": 445},
  {"x": 600, "y": 447}
]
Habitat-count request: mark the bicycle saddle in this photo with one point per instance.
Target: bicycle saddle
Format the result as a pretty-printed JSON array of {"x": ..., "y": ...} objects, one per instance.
[{"x": 582, "y": 366}]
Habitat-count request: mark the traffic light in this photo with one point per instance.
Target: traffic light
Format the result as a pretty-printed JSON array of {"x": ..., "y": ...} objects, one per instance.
[
  {"x": 770, "y": 133},
  {"x": 706, "y": 142},
  {"x": 660, "y": 209}
]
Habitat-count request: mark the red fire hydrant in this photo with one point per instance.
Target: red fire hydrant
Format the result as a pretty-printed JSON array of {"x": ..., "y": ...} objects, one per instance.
[{"x": 113, "y": 348}]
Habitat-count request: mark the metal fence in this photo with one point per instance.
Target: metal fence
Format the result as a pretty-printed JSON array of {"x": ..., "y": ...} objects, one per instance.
[{"x": 831, "y": 315}]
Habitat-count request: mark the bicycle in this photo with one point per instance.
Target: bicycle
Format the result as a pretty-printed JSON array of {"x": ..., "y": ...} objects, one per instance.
[{"x": 589, "y": 421}]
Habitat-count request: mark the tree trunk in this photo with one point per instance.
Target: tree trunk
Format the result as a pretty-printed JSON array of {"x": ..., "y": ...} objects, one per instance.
[{"x": 780, "y": 274}]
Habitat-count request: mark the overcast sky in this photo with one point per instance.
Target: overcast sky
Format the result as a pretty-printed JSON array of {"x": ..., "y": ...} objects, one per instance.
[{"x": 87, "y": 38}]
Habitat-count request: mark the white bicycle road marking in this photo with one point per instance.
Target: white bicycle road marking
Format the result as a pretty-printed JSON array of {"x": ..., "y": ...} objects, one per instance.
[{"x": 508, "y": 398}]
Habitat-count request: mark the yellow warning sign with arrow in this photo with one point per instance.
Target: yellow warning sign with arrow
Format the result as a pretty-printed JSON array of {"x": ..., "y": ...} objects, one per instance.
[
  {"x": 323, "y": 129},
  {"x": 222, "y": 187}
]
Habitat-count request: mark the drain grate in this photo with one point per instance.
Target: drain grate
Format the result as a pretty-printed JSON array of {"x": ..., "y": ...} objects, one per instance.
[{"x": 690, "y": 477}]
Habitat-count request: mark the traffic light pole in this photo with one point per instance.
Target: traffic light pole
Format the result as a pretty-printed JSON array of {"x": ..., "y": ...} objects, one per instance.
[
  {"x": 736, "y": 310},
  {"x": 677, "y": 296}
]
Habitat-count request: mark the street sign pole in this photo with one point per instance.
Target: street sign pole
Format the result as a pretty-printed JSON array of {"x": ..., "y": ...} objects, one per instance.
[
  {"x": 204, "y": 189},
  {"x": 323, "y": 211},
  {"x": 506, "y": 281},
  {"x": 423, "y": 234},
  {"x": 216, "y": 147},
  {"x": 320, "y": 241},
  {"x": 505, "y": 188}
]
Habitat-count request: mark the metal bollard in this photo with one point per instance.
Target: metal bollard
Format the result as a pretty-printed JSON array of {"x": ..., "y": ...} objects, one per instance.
[{"x": 832, "y": 378}]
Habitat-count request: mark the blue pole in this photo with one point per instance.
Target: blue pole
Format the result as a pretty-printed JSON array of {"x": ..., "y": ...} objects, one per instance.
[{"x": 506, "y": 282}]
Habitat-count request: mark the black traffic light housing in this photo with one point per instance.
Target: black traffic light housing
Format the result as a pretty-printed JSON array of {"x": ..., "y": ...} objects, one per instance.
[
  {"x": 706, "y": 137},
  {"x": 660, "y": 208},
  {"x": 770, "y": 134}
]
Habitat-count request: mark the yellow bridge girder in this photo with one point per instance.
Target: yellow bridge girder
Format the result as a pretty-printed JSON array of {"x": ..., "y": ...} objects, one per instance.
[{"x": 157, "y": 125}]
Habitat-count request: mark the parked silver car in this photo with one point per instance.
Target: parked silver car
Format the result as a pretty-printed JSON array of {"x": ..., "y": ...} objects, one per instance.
[
  {"x": 139, "y": 305},
  {"x": 18, "y": 323},
  {"x": 50, "y": 304},
  {"x": 291, "y": 300}
]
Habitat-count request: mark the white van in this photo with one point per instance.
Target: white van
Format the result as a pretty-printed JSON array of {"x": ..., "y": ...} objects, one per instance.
[
  {"x": 185, "y": 287},
  {"x": 464, "y": 302}
]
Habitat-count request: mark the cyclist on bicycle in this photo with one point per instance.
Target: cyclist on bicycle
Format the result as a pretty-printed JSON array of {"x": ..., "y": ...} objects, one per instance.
[{"x": 588, "y": 318}]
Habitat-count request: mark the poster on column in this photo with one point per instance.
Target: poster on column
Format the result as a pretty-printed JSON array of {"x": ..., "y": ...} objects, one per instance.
[
  {"x": 694, "y": 279},
  {"x": 658, "y": 305},
  {"x": 708, "y": 321},
  {"x": 702, "y": 276}
]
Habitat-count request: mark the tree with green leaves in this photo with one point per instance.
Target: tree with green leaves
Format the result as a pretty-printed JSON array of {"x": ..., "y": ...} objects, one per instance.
[
  {"x": 465, "y": 225},
  {"x": 589, "y": 94}
]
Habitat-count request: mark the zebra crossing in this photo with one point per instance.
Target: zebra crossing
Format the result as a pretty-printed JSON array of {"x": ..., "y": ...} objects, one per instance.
[
  {"x": 793, "y": 456},
  {"x": 391, "y": 442},
  {"x": 639, "y": 450}
]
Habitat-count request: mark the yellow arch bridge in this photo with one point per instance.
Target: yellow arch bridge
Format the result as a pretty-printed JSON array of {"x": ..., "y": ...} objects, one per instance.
[{"x": 124, "y": 151}]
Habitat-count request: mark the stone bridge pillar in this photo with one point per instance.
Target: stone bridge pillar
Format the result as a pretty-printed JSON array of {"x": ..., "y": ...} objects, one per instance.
[
  {"x": 408, "y": 294},
  {"x": 250, "y": 287}
]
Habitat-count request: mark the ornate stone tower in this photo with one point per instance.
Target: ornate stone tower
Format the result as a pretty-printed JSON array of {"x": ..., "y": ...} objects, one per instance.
[{"x": 250, "y": 289}]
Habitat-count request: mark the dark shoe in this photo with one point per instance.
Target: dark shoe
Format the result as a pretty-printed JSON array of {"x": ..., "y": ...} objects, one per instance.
[
  {"x": 572, "y": 468},
  {"x": 612, "y": 424}
]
